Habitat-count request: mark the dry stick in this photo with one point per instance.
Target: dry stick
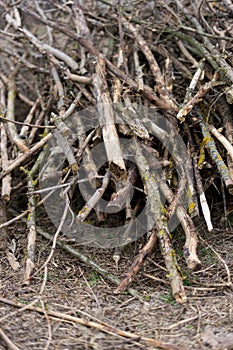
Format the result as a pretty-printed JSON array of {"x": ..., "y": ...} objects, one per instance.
[
  {"x": 3, "y": 230},
  {"x": 117, "y": 87},
  {"x": 117, "y": 93},
  {"x": 88, "y": 163},
  {"x": 222, "y": 43},
  {"x": 27, "y": 64},
  {"x": 174, "y": 273},
  {"x": 187, "y": 54},
  {"x": 215, "y": 156},
  {"x": 28, "y": 119},
  {"x": 138, "y": 261},
  {"x": 3, "y": 119},
  {"x": 6, "y": 181},
  {"x": 60, "y": 124},
  {"x": 228, "y": 146},
  {"x": 187, "y": 108},
  {"x": 208, "y": 35},
  {"x": 55, "y": 235},
  {"x": 156, "y": 207},
  {"x": 185, "y": 173},
  {"x": 31, "y": 222},
  {"x": 18, "y": 217},
  {"x": 195, "y": 46},
  {"x": 132, "y": 118},
  {"x": 64, "y": 144},
  {"x": 22, "y": 309},
  {"x": 107, "y": 122},
  {"x": 121, "y": 37},
  {"x": 83, "y": 30},
  {"x": 38, "y": 122},
  {"x": 184, "y": 110},
  {"x": 43, "y": 48},
  {"x": 86, "y": 93},
  {"x": 164, "y": 136},
  {"x": 198, "y": 9},
  {"x": 138, "y": 69},
  {"x": 10, "y": 114},
  {"x": 78, "y": 78},
  {"x": 85, "y": 211},
  {"x": 156, "y": 217},
  {"x": 200, "y": 189},
  {"x": 106, "y": 115},
  {"x": 158, "y": 76},
  {"x": 26, "y": 212},
  {"x": 168, "y": 74},
  {"x": 190, "y": 247},
  {"x": 225, "y": 111},
  {"x": 178, "y": 196},
  {"x": 41, "y": 12},
  {"x": 21, "y": 158},
  {"x": 209, "y": 287},
  {"x": 72, "y": 106},
  {"x": 7, "y": 341},
  {"x": 104, "y": 327},
  {"x": 124, "y": 129},
  {"x": 84, "y": 152},
  {"x": 50, "y": 334},
  {"x": 50, "y": 188},
  {"x": 58, "y": 84},
  {"x": 147, "y": 92},
  {"x": 31, "y": 246},
  {"x": 119, "y": 198},
  {"x": 179, "y": 323},
  {"x": 176, "y": 62}
]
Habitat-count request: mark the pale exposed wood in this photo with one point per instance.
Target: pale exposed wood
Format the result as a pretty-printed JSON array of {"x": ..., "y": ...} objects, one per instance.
[
  {"x": 106, "y": 115},
  {"x": 10, "y": 114},
  {"x": 6, "y": 181},
  {"x": 90, "y": 204}
]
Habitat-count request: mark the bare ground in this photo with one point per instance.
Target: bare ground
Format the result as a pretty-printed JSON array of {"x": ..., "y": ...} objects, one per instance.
[{"x": 204, "y": 322}]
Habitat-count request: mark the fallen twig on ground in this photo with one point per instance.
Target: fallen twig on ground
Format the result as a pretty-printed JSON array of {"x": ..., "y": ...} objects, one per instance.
[{"x": 100, "y": 326}]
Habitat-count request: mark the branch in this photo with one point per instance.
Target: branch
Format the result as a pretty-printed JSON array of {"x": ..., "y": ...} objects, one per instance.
[{"x": 104, "y": 327}]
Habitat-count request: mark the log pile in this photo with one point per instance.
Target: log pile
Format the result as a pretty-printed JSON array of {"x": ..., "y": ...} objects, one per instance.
[{"x": 117, "y": 117}]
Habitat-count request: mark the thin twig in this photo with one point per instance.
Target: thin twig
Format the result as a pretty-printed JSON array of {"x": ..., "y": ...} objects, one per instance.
[
  {"x": 6, "y": 339},
  {"x": 229, "y": 278},
  {"x": 104, "y": 327}
]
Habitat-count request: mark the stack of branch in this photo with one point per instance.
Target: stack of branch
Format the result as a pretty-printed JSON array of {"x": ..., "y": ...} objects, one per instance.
[{"x": 171, "y": 59}]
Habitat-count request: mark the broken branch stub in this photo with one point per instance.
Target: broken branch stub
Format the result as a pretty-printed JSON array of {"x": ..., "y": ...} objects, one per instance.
[{"x": 106, "y": 115}]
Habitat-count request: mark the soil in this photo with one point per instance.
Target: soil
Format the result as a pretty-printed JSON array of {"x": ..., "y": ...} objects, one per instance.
[{"x": 73, "y": 288}]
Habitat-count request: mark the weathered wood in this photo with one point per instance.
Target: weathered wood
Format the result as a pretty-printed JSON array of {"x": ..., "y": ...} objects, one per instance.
[{"x": 162, "y": 85}]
